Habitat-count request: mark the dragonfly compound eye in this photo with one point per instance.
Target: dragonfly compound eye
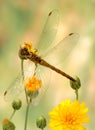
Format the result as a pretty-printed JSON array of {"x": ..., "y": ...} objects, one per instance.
[{"x": 23, "y": 53}]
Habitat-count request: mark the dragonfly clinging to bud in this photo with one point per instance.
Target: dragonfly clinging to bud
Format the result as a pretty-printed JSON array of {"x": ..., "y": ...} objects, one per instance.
[
  {"x": 27, "y": 52},
  {"x": 62, "y": 48}
]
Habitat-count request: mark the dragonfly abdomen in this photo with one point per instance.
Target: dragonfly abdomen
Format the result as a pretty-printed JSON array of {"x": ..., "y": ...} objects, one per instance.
[{"x": 44, "y": 63}]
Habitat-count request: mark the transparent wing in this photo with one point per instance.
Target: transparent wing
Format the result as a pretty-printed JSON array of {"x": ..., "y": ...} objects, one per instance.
[
  {"x": 14, "y": 89},
  {"x": 29, "y": 69},
  {"x": 49, "y": 31},
  {"x": 43, "y": 74},
  {"x": 60, "y": 52},
  {"x": 17, "y": 87}
]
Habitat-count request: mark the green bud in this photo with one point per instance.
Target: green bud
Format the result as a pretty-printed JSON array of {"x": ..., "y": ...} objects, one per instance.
[
  {"x": 8, "y": 125},
  {"x": 16, "y": 104},
  {"x": 75, "y": 85},
  {"x": 41, "y": 122}
]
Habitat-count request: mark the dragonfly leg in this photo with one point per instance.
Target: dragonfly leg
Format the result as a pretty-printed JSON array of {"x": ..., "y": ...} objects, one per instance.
[{"x": 35, "y": 69}]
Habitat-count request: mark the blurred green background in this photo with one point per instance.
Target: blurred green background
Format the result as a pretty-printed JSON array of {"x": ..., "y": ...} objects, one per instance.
[{"x": 22, "y": 20}]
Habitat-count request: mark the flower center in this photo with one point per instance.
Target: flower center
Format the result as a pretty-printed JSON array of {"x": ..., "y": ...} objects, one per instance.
[
  {"x": 70, "y": 119},
  {"x": 33, "y": 84}
]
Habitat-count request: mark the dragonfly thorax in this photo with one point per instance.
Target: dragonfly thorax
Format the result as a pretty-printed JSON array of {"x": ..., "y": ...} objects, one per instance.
[
  {"x": 25, "y": 54},
  {"x": 34, "y": 57}
]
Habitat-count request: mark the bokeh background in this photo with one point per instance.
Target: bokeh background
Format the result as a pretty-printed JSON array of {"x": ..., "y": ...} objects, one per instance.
[{"x": 22, "y": 20}]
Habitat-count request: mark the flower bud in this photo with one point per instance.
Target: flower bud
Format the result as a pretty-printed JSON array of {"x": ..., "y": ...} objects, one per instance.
[
  {"x": 16, "y": 104},
  {"x": 8, "y": 125},
  {"x": 41, "y": 122},
  {"x": 75, "y": 85}
]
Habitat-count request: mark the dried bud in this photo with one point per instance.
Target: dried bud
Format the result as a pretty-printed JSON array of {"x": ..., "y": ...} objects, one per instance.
[
  {"x": 8, "y": 125},
  {"x": 16, "y": 104},
  {"x": 41, "y": 122},
  {"x": 75, "y": 85}
]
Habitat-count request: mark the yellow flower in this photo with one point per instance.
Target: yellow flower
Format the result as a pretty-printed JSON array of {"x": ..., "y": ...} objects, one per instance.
[
  {"x": 32, "y": 84},
  {"x": 69, "y": 116},
  {"x": 28, "y": 45}
]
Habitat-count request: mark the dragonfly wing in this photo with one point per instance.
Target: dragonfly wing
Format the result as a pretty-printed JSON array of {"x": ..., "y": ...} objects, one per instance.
[
  {"x": 43, "y": 74},
  {"x": 61, "y": 51},
  {"x": 29, "y": 69},
  {"x": 49, "y": 31},
  {"x": 14, "y": 89},
  {"x": 17, "y": 87}
]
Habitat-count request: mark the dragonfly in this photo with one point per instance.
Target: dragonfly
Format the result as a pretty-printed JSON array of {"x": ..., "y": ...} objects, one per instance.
[{"x": 47, "y": 49}]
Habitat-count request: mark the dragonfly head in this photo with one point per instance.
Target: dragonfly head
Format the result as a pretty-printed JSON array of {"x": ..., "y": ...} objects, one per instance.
[
  {"x": 26, "y": 50},
  {"x": 23, "y": 53}
]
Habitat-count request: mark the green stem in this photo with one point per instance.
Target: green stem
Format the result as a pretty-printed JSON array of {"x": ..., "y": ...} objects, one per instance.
[
  {"x": 28, "y": 103},
  {"x": 12, "y": 114},
  {"x": 22, "y": 71},
  {"x": 76, "y": 92},
  {"x": 26, "y": 116}
]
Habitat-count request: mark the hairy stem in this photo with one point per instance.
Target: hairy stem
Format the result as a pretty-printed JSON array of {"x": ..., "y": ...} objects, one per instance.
[
  {"x": 22, "y": 70},
  {"x": 26, "y": 116},
  {"x": 12, "y": 114},
  {"x": 76, "y": 92}
]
